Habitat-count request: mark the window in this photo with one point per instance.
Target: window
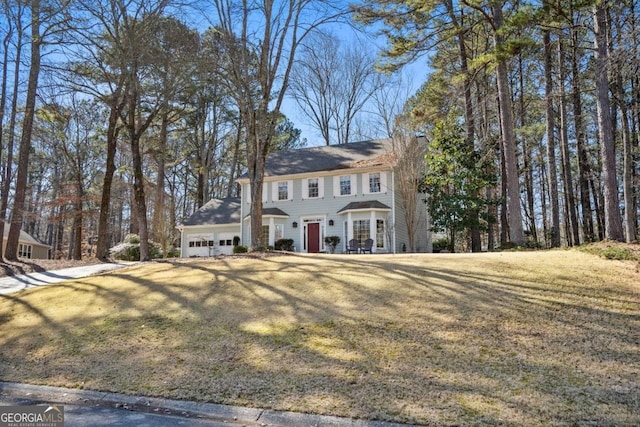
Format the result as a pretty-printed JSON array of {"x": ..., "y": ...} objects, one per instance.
[
  {"x": 265, "y": 236},
  {"x": 374, "y": 182},
  {"x": 345, "y": 185},
  {"x": 225, "y": 242},
  {"x": 361, "y": 231},
  {"x": 379, "y": 233},
  {"x": 283, "y": 190},
  {"x": 24, "y": 251},
  {"x": 313, "y": 187}
]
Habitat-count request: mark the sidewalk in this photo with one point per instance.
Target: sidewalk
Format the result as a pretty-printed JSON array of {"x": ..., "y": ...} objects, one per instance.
[
  {"x": 11, "y": 284},
  {"x": 92, "y": 408}
]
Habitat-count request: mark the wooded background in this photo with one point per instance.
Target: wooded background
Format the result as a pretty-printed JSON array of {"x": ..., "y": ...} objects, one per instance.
[{"x": 122, "y": 116}]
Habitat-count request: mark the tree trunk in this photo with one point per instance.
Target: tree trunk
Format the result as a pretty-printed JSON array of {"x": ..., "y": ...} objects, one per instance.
[
  {"x": 476, "y": 241},
  {"x": 7, "y": 174},
  {"x": 552, "y": 173},
  {"x": 583, "y": 162},
  {"x": 159, "y": 220},
  {"x": 514, "y": 213},
  {"x": 526, "y": 158},
  {"x": 572, "y": 229},
  {"x": 25, "y": 141},
  {"x": 103, "y": 243},
  {"x": 612, "y": 219},
  {"x": 76, "y": 253}
]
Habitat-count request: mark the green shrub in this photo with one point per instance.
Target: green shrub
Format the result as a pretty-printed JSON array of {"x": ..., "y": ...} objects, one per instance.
[
  {"x": 332, "y": 242},
  {"x": 132, "y": 238},
  {"x": 236, "y": 240},
  {"x": 129, "y": 250},
  {"x": 284, "y": 245},
  {"x": 240, "y": 249},
  {"x": 617, "y": 253},
  {"x": 173, "y": 252},
  {"x": 441, "y": 244}
]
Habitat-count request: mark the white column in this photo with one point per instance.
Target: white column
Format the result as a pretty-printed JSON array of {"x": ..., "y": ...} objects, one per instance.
[
  {"x": 372, "y": 230},
  {"x": 272, "y": 231}
]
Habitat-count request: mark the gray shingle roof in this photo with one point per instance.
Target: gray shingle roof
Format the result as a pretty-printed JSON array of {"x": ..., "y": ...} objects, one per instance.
[
  {"x": 24, "y": 236},
  {"x": 326, "y": 158},
  {"x": 217, "y": 211},
  {"x": 271, "y": 212},
  {"x": 373, "y": 204}
]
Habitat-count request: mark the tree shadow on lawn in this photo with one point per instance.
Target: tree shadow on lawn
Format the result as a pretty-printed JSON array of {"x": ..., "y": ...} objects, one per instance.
[{"x": 424, "y": 346}]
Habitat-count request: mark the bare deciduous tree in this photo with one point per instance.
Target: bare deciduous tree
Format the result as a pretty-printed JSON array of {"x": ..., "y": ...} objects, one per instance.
[
  {"x": 261, "y": 40},
  {"x": 332, "y": 84},
  {"x": 409, "y": 152}
]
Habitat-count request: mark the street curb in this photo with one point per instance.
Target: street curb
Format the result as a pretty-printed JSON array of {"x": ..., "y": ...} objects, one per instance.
[{"x": 224, "y": 413}]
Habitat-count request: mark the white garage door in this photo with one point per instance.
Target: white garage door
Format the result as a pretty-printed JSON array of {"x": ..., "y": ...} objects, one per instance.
[{"x": 225, "y": 243}]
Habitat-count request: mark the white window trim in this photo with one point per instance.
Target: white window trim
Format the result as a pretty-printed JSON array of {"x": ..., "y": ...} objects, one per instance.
[
  {"x": 305, "y": 188},
  {"x": 336, "y": 185},
  {"x": 275, "y": 193},
  {"x": 383, "y": 182}
]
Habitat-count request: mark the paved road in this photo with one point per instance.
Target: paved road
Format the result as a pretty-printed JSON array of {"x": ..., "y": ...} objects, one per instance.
[
  {"x": 11, "y": 284},
  {"x": 84, "y": 408}
]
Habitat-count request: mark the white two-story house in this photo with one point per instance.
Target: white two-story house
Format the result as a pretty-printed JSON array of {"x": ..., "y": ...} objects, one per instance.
[{"x": 348, "y": 190}]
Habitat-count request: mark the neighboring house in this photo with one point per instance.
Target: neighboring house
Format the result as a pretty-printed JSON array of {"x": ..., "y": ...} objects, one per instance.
[
  {"x": 28, "y": 246},
  {"x": 345, "y": 190}
]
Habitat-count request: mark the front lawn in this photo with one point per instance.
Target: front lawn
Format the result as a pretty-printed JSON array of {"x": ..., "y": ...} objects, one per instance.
[{"x": 518, "y": 338}]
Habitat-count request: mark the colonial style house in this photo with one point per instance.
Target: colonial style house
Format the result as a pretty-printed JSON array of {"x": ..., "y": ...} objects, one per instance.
[{"x": 348, "y": 190}]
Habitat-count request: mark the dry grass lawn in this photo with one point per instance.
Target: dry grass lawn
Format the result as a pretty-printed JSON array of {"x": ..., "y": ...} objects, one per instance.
[{"x": 518, "y": 338}]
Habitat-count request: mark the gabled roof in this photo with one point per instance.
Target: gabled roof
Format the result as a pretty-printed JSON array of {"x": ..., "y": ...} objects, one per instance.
[
  {"x": 368, "y": 205},
  {"x": 329, "y": 157},
  {"x": 217, "y": 211},
  {"x": 24, "y": 236},
  {"x": 271, "y": 212}
]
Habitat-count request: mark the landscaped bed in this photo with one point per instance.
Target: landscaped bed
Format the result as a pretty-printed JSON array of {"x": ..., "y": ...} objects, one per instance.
[{"x": 512, "y": 338}]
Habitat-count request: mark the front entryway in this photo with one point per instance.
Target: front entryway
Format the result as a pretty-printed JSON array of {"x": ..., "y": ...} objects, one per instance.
[{"x": 313, "y": 237}]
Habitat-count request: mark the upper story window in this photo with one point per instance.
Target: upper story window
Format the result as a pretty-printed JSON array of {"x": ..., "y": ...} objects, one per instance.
[
  {"x": 345, "y": 185},
  {"x": 374, "y": 182},
  {"x": 283, "y": 190},
  {"x": 313, "y": 186}
]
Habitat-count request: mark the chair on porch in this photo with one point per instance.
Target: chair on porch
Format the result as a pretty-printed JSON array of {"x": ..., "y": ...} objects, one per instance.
[
  {"x": 353, "y": 246},
  {"x": 368, "y": 244}
]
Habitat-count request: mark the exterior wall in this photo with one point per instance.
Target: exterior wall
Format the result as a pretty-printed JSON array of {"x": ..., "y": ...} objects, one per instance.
[
  {"x": 303, "y": 210},
  {"x": 38, "y": 251},
  {"x": 208, "y": 240}
]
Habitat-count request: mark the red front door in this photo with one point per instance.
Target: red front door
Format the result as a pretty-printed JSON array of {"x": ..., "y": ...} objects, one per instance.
[{"x": 313, "y": 237}]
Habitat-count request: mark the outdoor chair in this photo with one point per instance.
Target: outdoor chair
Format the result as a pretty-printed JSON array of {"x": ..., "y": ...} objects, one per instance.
[
  {"x": 354, "y": 246},
  {"x": 368, "y": 244}
]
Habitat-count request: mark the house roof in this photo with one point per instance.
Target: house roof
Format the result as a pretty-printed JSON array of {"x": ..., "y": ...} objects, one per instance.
[
  {"x": 270, "y": 212},
  {"x": 24, "y": 237},
  {"x": 329, "y": 157},
  {"x": 273, "y": 212},
  {"x": 217, "y": 211},
  {"x": 372, "y": 204}
]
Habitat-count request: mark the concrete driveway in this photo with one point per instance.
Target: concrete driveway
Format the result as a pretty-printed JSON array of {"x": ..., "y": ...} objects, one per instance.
[{"x": 12, "y": 284}]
